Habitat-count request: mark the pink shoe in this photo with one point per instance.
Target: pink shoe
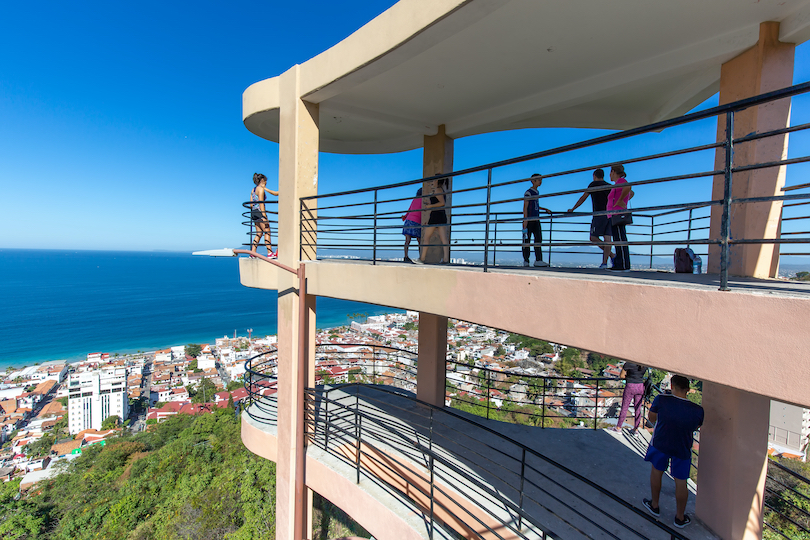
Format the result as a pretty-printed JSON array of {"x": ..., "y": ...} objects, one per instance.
[{"x": 273, "y": 255}]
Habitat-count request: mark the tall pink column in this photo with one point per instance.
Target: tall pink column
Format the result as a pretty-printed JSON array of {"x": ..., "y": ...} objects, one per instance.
[
  {"x": 732, "y": 461},
  {"x": 298, "y": 177},
  {"x": 765, "y": 67},
  {"x": 431, "y": 371}
]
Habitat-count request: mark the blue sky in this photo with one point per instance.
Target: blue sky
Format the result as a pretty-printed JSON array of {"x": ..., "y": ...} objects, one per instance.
[{"x": 120, "y": 123}]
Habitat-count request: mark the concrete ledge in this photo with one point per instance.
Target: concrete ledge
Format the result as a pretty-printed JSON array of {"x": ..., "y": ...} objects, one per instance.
[
  {"x": 258, "y": 274},
  {"x": 746, "y": 340},
  {"x": 259, "y": 438}
]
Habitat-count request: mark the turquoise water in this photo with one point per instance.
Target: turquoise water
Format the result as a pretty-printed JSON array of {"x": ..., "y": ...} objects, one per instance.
[{"x": 65, "y": 304}]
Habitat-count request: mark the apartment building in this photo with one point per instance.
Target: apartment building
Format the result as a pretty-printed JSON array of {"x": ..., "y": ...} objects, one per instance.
[
  {"x": 425, "y": 73},
  {"x": 94, "y": 396},
  {"x": 789, "y": 430}
]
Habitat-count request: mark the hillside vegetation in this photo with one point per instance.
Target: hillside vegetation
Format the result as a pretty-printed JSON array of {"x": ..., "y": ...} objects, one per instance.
[{"x": 189, "y": 478}]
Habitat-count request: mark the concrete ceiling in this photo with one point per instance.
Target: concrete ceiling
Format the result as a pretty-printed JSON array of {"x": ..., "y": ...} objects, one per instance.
[{"x": 479, "y": 66}]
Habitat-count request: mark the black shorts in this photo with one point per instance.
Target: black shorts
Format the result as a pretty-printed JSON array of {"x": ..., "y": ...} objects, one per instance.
[
  {"x": 600, "y": 226},
  {"x": 257, "y": 215},
  {"x": 437, "y": 217}
]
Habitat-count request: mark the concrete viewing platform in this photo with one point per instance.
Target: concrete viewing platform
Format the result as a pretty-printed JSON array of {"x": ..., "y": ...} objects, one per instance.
[{"x": 477, "y": 465}]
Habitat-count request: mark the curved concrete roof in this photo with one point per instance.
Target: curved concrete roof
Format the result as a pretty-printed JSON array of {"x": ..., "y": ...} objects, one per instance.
[{"x": 479, "y": 66}]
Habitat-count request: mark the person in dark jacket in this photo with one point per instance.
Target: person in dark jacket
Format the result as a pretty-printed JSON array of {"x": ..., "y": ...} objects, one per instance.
[{"x": 633, "y": 375}]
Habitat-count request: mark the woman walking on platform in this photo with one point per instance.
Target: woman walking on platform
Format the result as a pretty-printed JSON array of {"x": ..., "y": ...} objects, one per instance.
[{"x": 259, "y": 216}]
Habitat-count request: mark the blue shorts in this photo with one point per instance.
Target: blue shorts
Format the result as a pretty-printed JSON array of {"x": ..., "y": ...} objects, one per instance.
[
  {"x": 412, "y": 229},
  {"x": 680, "y": 467}
]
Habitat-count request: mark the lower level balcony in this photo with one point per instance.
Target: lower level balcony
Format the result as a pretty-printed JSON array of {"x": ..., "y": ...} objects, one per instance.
[{"x": 404, "y": 468}]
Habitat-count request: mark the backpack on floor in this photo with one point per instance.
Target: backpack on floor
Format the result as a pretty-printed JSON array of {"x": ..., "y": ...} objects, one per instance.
[{"x": 684, "y": 261}]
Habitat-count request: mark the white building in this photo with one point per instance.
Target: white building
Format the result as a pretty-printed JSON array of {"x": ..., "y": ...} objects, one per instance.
[
  {"x": 206, "y": 361},
  {"x": 95, "y": 396},
  {"x": 163, "y": 356},
  {"x": 789, "y": 429}
]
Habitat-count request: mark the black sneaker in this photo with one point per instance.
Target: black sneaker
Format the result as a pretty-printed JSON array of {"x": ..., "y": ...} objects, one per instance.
[
  {"x": 654, "y": 511},
  {"x": 407, "y": 260},
  {"x": 681, "y": 524}
]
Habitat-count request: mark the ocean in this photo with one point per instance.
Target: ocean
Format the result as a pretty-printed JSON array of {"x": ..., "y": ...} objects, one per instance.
[{"x": 61, "y": 305}]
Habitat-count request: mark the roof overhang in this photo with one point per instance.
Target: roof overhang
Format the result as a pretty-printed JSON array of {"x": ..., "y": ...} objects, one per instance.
[{"x": 480, "y": 66}]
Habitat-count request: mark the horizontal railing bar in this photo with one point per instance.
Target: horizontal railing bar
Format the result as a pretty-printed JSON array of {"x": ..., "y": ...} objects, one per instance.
[
  {"x": 767, "y": 164},
  {"x": 773, "y": 133},
  {"x": 658, "y": 126}
]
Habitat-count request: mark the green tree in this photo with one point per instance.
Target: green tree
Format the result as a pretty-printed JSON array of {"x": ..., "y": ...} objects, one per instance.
[
  {"x": 193, "y": 350},
  {"x": 40, "y": 447},
  {"x": 234, "y": 385},
  {"x": 657, "y": 375},
  {"x": 203, "y": 392},
  {"x": 110, "y": 422},
  {"x": 598, "y": 362},
  {"x": 187, "y": 477}
]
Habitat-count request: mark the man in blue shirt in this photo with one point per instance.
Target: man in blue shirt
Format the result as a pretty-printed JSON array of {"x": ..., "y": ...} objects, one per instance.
[
  {"x": 531, "y": 223},
  {"x": 676, "y": 419}
]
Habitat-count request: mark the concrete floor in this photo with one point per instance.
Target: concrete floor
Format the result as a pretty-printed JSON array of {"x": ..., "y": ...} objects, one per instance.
[{"x": 483, "y": 465}]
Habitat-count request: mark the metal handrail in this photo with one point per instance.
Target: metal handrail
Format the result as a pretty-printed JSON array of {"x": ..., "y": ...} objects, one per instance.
[
  {"x": 423, "y": 440},
  {"x": 782, "y": 513},
  {"x": 258, "y": 378},
  {"x": 473, "y": 218}
]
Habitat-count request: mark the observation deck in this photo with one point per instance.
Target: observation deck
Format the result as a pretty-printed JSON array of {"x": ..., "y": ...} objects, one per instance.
[
  {"x": 427, "y": 72},
  {"x": 415, "y": 470}
]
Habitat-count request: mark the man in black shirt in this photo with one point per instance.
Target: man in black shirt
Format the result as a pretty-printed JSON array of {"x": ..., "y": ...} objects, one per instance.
[
  {"x": 531, "y": 223},
  {"x": 600, "y": 225}
]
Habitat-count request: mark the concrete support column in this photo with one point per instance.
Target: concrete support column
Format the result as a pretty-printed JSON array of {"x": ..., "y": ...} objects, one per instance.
[
  {"x": 733, "y": 461},
  {"x": 766, "y": 67},
  {"x": 431, "y": 371},
  {"x": 437, "y": 159},
  {"x": 298, "y": 177}
]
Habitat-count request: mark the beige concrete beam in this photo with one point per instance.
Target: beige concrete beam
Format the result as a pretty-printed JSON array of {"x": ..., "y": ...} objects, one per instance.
[{"x": 731, "y": 338}]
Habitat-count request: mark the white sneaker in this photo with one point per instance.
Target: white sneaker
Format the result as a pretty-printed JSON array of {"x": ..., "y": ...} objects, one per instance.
[
  {"x": 418, "y": 261},
  {"x": 540, "y": 263},
  {"x": 525, "y": 263}
]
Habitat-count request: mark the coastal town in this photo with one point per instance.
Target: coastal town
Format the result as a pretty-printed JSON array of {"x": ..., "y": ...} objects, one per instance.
[{"x": 52, "y": 411}]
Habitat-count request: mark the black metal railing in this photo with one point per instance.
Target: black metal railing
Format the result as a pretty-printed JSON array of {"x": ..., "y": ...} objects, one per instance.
[
  {"x": 484, "y": 203},
  {"x": 462, "y": 475},
  {"x": 261, "y": 373},
  {"x": 365, "y": 363},
  {"x": 540, "y": 400},
  {"x": 269, "y": 222},
  {"x": 787, "y": 502},
  {"x": 334, "y": 364}
]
